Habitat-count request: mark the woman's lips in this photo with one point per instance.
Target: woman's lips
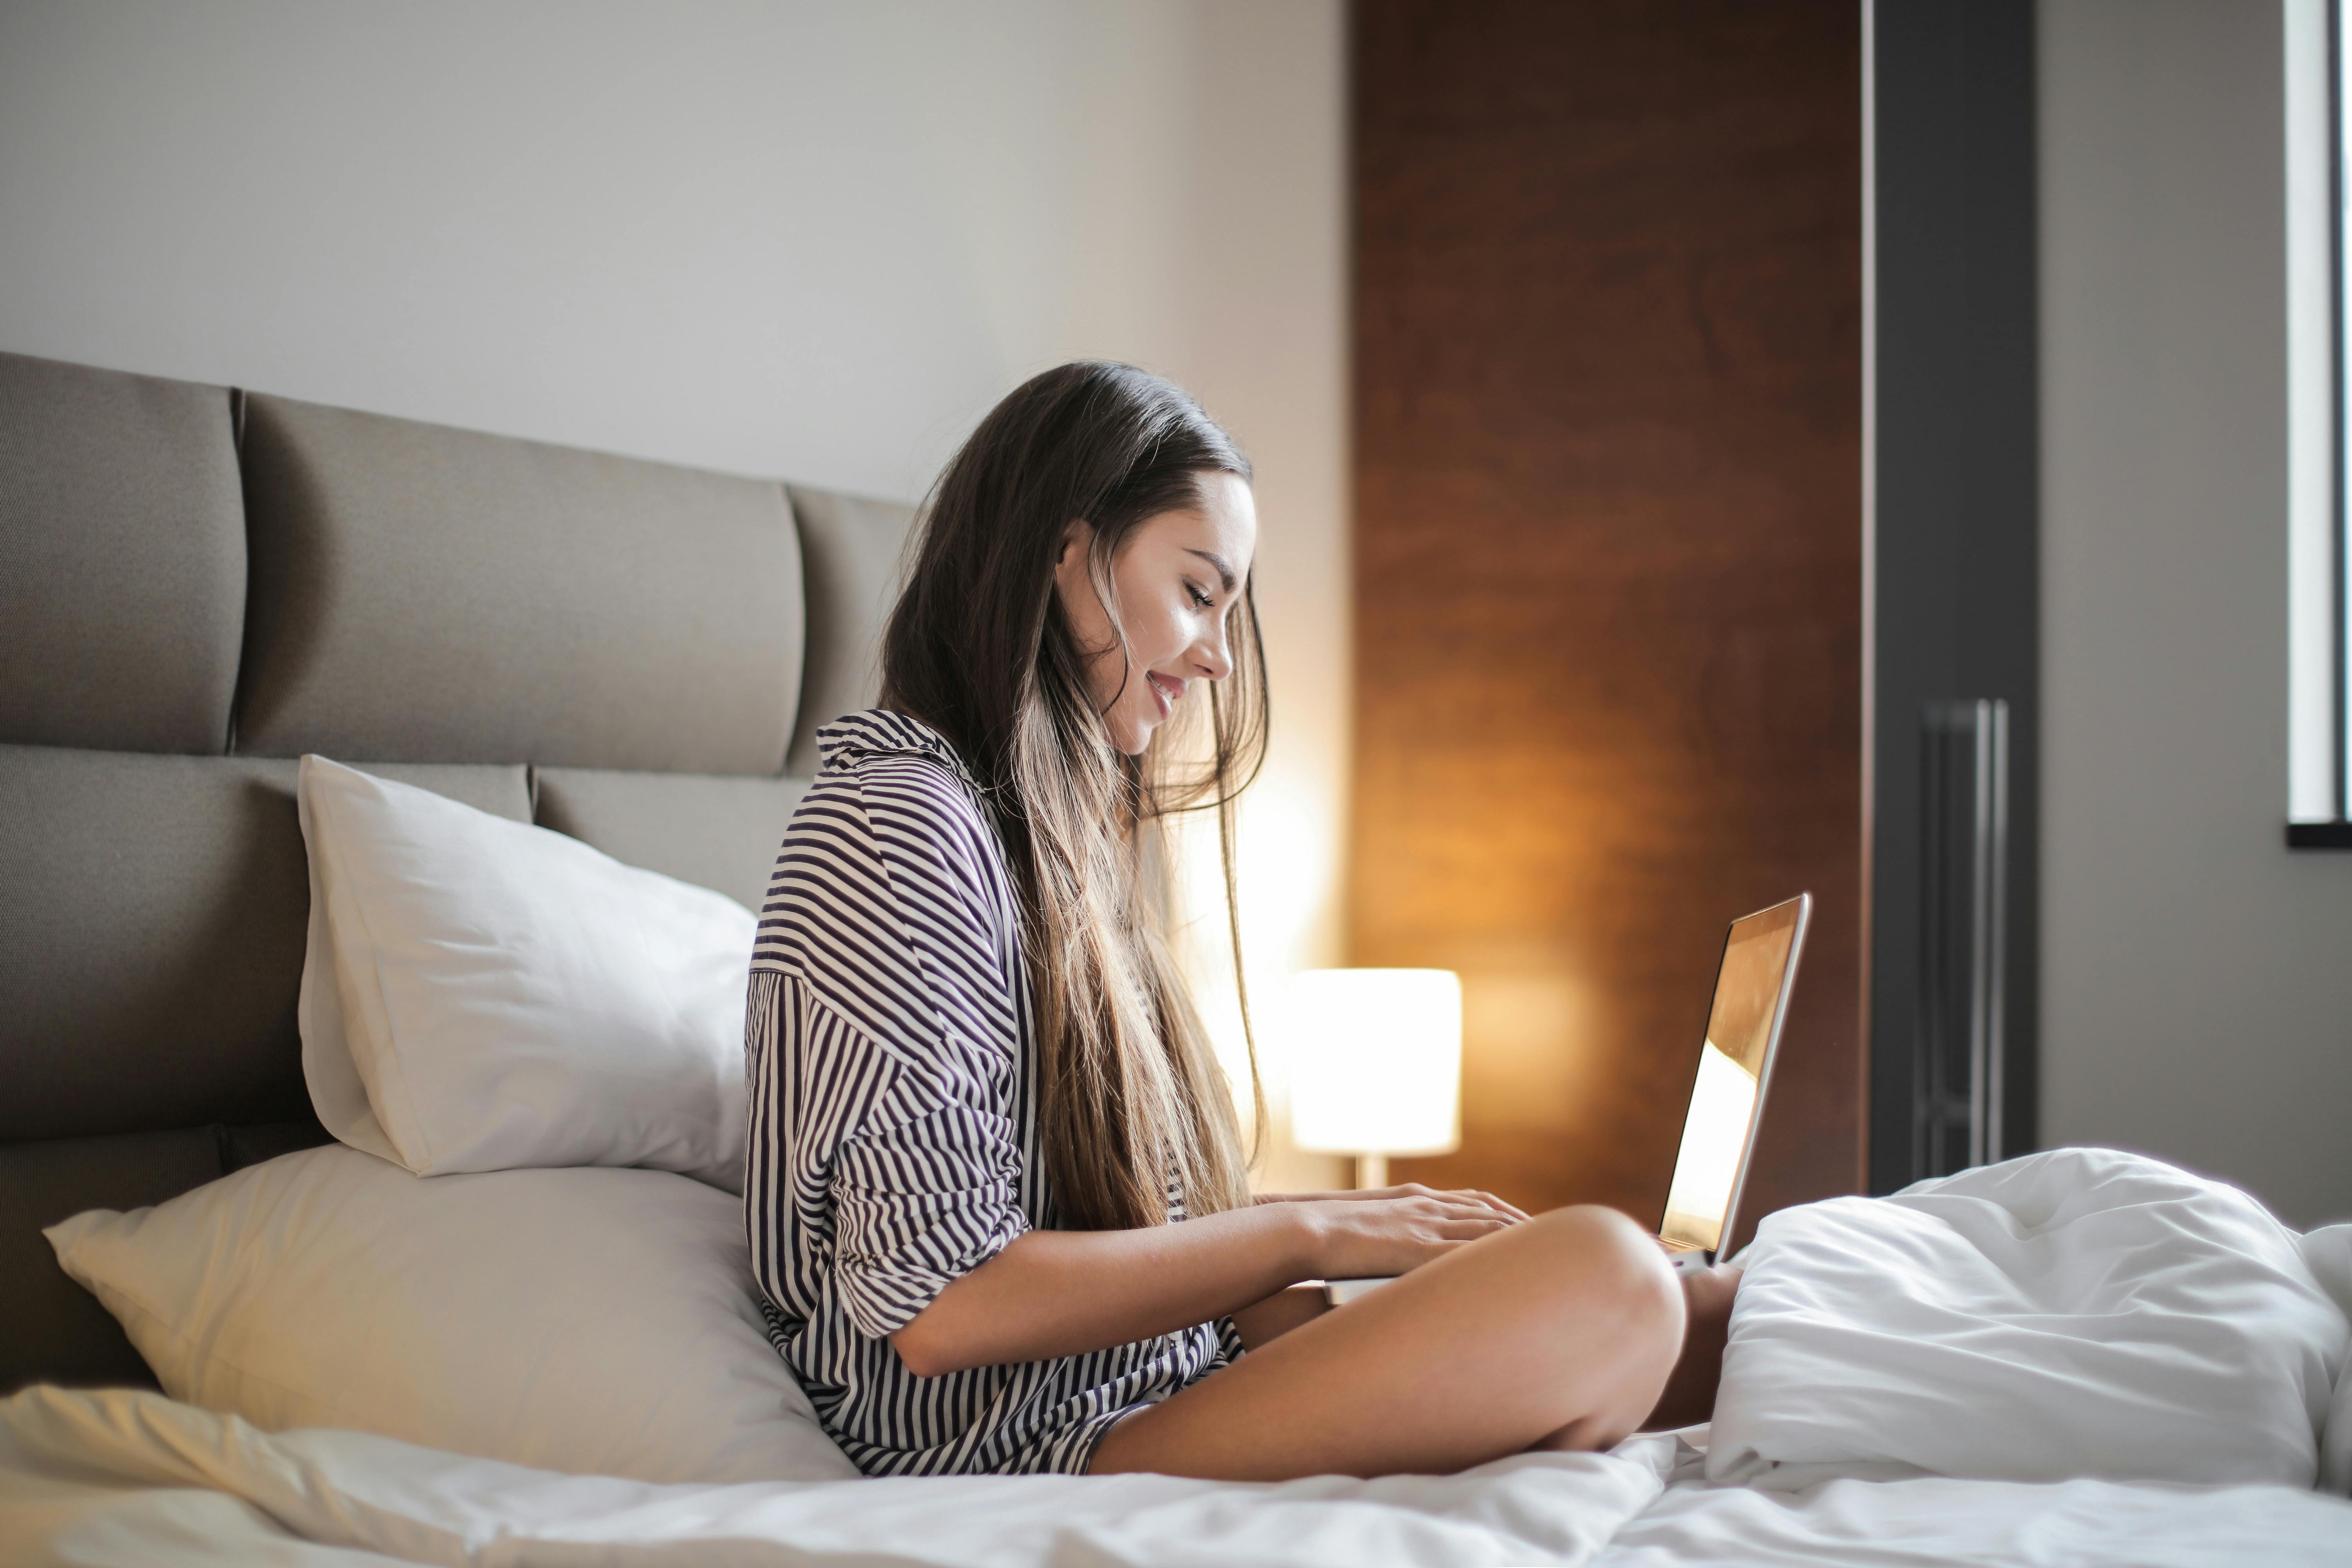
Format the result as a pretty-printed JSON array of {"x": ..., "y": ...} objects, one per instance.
[{"x": 1169, "y": 693}]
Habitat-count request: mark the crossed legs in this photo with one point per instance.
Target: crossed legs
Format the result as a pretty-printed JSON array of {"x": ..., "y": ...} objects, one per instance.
[{"x": 1560, "y": 1332}]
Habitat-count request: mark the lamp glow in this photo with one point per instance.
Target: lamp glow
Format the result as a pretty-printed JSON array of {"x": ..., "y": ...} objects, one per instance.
[{"x": 1376, "y": 1060}]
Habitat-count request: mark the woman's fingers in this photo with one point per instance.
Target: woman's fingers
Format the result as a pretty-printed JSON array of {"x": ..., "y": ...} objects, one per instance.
[
  {"x": 1470, "y": 1229},
  {"x": 1479, "y": 1204},
  {"x": 1512, "y": 1209},
  {"x": 1489, "y": 1201},
  {"x": 1457, "y": 1194},
  {"x": 1461, "y": 1221},
  {"x": 1405, "y": 1190}
]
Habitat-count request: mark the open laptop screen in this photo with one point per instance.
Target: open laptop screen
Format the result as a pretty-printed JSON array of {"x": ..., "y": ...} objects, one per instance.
[{"x": 1751, "y": 990}]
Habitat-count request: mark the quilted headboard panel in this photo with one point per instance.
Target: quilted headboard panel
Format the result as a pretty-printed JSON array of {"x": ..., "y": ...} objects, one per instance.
[
  {"x": 563, "y": 608},
  {"x": 121, "y": 560},
  {"x": 197, "y": 586},
  {"x": 851, "y": 554}
]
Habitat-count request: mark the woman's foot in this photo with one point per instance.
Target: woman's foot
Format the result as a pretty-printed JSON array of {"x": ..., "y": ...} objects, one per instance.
[{"x": 1689, "y": 1398}]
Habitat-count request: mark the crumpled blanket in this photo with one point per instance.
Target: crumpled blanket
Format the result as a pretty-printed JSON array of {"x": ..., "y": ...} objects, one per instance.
[{"x": 2078, "y": 1313}]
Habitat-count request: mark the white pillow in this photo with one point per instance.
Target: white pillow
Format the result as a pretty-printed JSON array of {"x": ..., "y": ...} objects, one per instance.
[
  {"x": 481, "y": 994},
  {"x": 593, "y": 1321}
]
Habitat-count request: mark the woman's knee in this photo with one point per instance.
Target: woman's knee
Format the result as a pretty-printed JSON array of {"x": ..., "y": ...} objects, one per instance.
[
  {"x": 1600, "y": 1236},
  {"x": 1607, "y": 1317},
  {"x": 1616, "y": 1276}
]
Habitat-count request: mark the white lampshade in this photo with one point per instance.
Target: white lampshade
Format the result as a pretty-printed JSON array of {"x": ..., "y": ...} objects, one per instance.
[{"x": 1376, "y": 1061}]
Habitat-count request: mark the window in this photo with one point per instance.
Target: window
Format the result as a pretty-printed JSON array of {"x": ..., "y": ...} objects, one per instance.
[{"x": 2318, "y": 154}]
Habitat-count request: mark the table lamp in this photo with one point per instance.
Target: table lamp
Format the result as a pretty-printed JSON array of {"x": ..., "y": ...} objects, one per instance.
[{"x": 1376, "y": 1064}]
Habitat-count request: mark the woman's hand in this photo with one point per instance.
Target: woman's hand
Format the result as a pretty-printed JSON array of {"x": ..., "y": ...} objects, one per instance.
[
  {"x": 1056, "y": 1292},
  {"x": 1409, "y": 1190},
  {"x": 1395, "y": 1230}
]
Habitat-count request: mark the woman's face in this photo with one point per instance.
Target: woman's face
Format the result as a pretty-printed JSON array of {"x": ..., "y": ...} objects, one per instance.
[{"x": 1175, "y": 581}]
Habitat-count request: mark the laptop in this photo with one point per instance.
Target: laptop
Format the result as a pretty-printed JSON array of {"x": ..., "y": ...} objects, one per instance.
[{"x": 1735, "y": 1067}]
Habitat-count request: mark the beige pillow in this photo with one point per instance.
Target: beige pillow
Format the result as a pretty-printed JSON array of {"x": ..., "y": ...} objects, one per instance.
[{"x": 596, "y": 1321}]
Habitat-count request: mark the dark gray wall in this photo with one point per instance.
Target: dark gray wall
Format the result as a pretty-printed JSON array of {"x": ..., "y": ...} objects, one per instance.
[{"x": 1956, "y": 577}]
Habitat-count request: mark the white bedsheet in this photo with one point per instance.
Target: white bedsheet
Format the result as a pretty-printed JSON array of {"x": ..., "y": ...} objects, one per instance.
[
  {"x": 2095, "y": 1524},
  {"x": 121, "y": 1479}
]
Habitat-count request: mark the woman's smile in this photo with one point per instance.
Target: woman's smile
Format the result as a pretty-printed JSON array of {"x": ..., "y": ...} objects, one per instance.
[{"x": 1168, "y": 689}]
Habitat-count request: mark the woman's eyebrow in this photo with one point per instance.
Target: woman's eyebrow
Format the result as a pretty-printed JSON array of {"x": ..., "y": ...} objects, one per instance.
[{"x": 1225, "y": 573}]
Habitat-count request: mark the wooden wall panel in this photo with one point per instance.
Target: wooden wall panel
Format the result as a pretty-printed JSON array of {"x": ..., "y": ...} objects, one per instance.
[{"x": 1607, "y": 329}]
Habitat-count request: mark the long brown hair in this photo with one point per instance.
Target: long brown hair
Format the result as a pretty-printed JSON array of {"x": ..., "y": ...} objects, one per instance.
[{"x": 1131, "y": 1099}]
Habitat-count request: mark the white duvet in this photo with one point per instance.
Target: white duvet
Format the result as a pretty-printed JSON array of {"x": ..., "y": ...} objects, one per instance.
[
  {"x": 2075, "y": 1313},
  {"x": 2078, "y": 1314}
]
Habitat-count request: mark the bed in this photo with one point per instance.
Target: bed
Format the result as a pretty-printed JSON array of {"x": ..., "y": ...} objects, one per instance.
[{"x": 199, "y": 586}]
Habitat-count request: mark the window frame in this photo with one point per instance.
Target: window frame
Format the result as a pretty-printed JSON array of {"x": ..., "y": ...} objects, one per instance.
[{"x": 2318, "y": 132}]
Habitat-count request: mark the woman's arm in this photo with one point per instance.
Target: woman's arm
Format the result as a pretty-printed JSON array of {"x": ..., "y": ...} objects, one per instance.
[{"x": 1065, "y": 1292}]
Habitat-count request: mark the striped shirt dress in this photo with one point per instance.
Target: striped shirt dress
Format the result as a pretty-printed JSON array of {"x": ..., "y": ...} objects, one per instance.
[{"x": 892, "y": 1061}]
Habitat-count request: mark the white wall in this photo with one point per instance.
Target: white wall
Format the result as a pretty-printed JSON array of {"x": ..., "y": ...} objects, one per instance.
[
  {"x": 2196, "y": 990},
  {"x": 801, "y": 239}
]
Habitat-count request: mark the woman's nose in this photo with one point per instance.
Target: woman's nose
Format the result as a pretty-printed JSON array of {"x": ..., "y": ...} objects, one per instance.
[{"x": 1211, "y": 656}]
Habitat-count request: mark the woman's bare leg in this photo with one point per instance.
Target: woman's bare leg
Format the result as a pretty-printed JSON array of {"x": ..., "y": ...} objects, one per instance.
[{"x": 1560, "y": 1331}]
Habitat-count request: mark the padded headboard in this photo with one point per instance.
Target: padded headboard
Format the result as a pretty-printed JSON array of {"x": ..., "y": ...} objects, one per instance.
[{"x": 198, "y": 585}]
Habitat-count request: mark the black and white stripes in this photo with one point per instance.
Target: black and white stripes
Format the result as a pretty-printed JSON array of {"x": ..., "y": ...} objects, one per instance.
[{"x": 894, "y": 1128}]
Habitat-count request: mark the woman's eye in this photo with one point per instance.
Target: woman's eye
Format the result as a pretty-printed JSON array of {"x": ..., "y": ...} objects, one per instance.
[{"x": 1200, "y": 598}]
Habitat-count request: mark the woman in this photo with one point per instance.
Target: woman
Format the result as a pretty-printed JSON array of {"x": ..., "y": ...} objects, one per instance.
[{"x": 982, "y": 1100}]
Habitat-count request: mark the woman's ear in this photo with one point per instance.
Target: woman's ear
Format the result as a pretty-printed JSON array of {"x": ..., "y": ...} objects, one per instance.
[
  {"x": 1079, "y": 536},
  {"x": 1081, "y": 596}
]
